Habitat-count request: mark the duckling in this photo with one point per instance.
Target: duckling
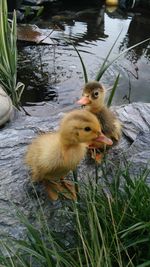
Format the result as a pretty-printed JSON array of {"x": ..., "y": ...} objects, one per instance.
[
  {"x": 93, "y": 98},
  {"x": 112, "y": 2},
  {"x": 52, "y": 155}
]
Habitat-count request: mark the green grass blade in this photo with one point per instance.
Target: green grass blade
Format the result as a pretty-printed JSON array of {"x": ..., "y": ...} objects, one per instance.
[
  {"x": 4, "y": 35},
  {"x": 100, "y": 72},
  {"x": 113, "y": 91},
  {"x": 8, "y": 55},
  {"x": 4, "y": 71},
  {"x": 13, "y": 50},
  {"x": 105, "y": 67},
  {"x": 82, "y": 63},
  {"x": 145, "y": 264},
  {"x": 81, "y": 60}
]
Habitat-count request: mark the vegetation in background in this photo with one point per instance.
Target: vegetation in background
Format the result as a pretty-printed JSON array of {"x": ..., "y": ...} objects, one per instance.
[
  {"x": 110, "y": 227},
  {"x": 105, "y": 65},
  {"x": 111, "y": 221},
  {"x": 8, "y": 56}
]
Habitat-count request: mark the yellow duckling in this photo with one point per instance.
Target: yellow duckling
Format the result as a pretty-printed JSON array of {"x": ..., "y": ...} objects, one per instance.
[
  {"x": 112, "y": 2},
  {"x": 93, "y": 98},
  {"x": 52, "y": 155}
]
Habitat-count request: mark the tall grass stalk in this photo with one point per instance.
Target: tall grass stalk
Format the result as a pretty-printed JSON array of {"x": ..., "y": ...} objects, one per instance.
[{"x": 8, "y": 56}]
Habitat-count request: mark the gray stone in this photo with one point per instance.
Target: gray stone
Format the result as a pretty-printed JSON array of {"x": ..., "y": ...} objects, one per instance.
[
  {"x": 16, "y": 189},
  {"x": 6, "y": 107},
  {"x": 135, "y": 118}
]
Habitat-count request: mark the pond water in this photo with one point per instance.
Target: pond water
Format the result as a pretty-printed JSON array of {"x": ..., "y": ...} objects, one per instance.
[{"x": 54, "y": 72}]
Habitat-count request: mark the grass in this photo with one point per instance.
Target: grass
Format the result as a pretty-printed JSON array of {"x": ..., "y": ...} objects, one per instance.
[
  {"x": 8, "y": 56},
  {"x": 111, "y": 220},
  {"x": 110, "y": 227},
  {"x": 106, "y": 64}
]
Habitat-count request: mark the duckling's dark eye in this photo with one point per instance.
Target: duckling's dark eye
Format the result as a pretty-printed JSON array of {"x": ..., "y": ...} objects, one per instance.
[
  {"x": 87, "y": 129},
  {"x": 95, "y": 93}
]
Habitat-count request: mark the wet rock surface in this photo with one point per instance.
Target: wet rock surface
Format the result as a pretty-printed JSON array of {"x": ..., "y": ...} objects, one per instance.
[
  {"x": 16, "y": 189},
  {"x": 31, "y": 33},
  {"x": 6, "y": 107},
  {"x": 135, "y": 143}
]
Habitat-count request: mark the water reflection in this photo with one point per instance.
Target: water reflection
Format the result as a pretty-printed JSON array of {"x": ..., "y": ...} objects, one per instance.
[
  {"x": 85, "y": 26},
  {"x": 33, "y": 71},
  {"x": 138, "y": 31},
  {"x": 53, "y": 72}
]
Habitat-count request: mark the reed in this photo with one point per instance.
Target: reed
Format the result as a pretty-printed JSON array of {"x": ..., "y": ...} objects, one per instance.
[{"x": 8, "y": 56}]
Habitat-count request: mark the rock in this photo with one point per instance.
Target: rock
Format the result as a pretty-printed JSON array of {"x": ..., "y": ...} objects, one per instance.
[
  {"x": 135, "y": 118},
  {"x": 36, "y": 2},
  {"x": 125, "y": 4},
  {"x": 139, "y": 151},
  {"x": 15, "y": 185},
  {"x": 33, "y": 34},
  {"x": 6, "y": 107},
  {"x": 135, "y": 142}
]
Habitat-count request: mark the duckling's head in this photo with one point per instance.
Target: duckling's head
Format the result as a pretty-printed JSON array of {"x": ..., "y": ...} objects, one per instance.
[
  {"x": 93, "y": 96},
  {"x": 81, "y": 126}
]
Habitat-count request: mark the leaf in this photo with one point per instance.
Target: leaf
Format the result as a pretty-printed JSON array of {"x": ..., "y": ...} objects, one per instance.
[
  {"x": 40, "y": 11},
  {"x": 113, "y": 91},
  {"x": 105, "y": 67},
  {"x": 101, "y": 71},
  {"x": 81, "y": 60},
  {"x": 8, "y": 55},
  {"x": 82, "y": 63},
  {"x": 134, "y": 228},
  {"x": 145, "y": 264}
]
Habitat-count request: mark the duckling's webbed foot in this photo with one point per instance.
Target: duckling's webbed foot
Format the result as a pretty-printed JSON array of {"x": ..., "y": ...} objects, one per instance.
[
  {"x": 53, "y": 189},
  {"x": 71, "y": 190},
  {"x": 96, "y": 155},
  {"x": 62, "y": 188}
]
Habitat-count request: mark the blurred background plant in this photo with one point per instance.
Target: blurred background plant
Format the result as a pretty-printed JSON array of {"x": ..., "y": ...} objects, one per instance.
[{"x": 8, "y": 56}]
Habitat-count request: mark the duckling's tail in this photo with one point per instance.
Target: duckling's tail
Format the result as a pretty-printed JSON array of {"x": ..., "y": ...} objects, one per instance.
[{"x": 118, "y": 130}]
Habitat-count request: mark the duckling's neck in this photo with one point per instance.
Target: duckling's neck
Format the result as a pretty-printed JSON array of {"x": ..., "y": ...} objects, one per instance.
[
  {"x": 68, "y": 141},
  {"x": 95, "y": 109},
  {"x": 73, "y": 154},
  {"x": 72, "y": 150}
]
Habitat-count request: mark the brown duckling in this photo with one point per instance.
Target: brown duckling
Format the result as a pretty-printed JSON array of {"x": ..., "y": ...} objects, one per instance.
[
  {"x": 52, "y": 155},
  {"x": 93, "y": 98}
]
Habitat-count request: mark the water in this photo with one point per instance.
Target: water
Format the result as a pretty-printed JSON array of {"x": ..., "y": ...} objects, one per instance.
[{"x": 54, "y": 72}]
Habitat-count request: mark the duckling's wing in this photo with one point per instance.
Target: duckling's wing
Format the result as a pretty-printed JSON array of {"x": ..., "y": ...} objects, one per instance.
[
  {"x": 108, "y": 121},
  {"x": 44, "y": 156}
]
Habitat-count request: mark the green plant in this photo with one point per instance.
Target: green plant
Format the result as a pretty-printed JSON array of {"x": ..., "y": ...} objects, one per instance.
[
  {"x": 8, "y": 56},
  {"x": 111, "y": 226},
  {"x": 29, "y": 12},
  {"x": 113, "y": 221},
  {"x": 106, "y": 64}
]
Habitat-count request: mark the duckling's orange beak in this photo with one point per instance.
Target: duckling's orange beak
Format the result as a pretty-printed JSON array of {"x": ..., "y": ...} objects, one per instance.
[
  {"x": 83, "y": 100},
  {"x": 104, "y": 139}
]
